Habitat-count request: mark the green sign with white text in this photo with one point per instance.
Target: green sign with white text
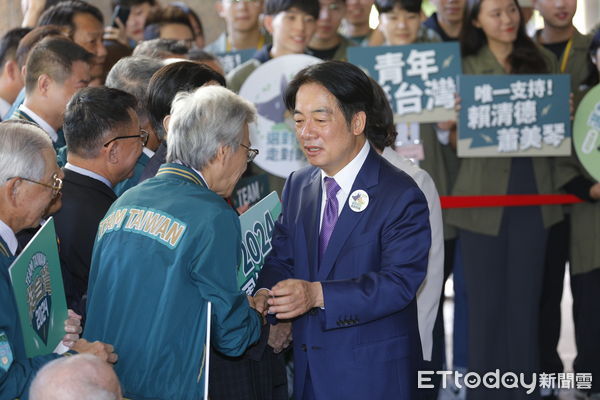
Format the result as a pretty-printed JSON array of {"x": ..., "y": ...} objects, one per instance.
[
  {"x": 39, "y": 292},
  {"x": 257, "y": 229}
]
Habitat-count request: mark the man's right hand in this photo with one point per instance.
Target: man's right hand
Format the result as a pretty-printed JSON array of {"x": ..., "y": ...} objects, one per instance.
[{"x": 102, "y": 350}]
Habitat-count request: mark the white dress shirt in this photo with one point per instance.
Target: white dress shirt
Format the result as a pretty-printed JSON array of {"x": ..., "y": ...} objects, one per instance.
[
  {"x": 345, "y": 179},
  {"x": 4, "y": 107},
  {"x": 9, "y": 237},
  {"x": 41, "y": 122},
  {"x": 88, "y": 173}
]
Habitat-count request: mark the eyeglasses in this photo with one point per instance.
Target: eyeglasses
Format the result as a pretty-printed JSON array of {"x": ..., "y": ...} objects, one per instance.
[
  {"x": 252, "y": 153},
  {"x": 56, "y": 186},
  {"x": 143, "y": 137}
]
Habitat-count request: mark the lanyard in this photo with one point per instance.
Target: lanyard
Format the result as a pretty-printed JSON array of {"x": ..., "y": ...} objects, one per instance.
[{"x": 565, "y": 57}]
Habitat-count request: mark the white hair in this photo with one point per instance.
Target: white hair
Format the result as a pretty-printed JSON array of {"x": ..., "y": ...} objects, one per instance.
[
  {"x": 21, "y": 147},
  {"x": 202, "y": 121},
  {"x": 78, "y": 377}
]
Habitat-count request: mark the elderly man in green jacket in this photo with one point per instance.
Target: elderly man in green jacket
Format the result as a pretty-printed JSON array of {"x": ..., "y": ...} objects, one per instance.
[{"x": 170, "y": 245}]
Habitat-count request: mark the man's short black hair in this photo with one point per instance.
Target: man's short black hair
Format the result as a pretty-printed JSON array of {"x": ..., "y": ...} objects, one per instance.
[
  {"x": 274, "y": 7},
  {"x": 9, "y": 44},
  {"x": 386, "y": 6},
  {"x": 54, "y": 56},
  {"x": 92, "y": 114},
  {"x": 183, "y": 76},
  {"x": 63, "y": 14},
  {"x": 346, "y": 82},
  {"x": 382, "y": 132}
]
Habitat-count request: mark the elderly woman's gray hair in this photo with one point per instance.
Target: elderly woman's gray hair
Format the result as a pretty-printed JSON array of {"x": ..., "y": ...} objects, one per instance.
[
  {"x": 21, "y": 146},
  {"x": 202, "y": 121}
]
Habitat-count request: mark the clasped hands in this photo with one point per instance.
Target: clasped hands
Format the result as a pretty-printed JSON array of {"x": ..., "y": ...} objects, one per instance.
[
  {"x": 105, "y": 352},
  {"x": 289, "y": 298}
]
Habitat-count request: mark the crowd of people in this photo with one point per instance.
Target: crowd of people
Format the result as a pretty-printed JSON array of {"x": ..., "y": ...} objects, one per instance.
[{"x": 132, "y": 136}]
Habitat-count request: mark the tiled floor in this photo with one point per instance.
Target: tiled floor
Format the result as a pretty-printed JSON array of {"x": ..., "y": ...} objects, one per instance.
[{"x": 566, "y": 345}]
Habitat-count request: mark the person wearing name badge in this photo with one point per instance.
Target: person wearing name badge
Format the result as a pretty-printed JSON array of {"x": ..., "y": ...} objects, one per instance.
[
  {"x": 152, "y": 304},
  {"x": 349, "y": 250},
  {"x": 503, "y": 248},
  {"x": 30, "y": 182}
]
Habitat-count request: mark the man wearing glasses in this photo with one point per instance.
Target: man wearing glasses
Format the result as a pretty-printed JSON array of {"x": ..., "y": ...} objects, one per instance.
[
  {"x": 104, "y": 141},
  {"x": 30, "y": 182},
  {"x": 171, "y": 244}
]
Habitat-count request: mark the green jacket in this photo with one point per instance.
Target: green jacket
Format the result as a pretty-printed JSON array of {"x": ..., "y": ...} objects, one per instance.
[
  {"x": 577, "y": 63},
  {"x": 489, "y": 176},
  {"x": 165, "y": 248},
  {"x": 585, "y": 220}
]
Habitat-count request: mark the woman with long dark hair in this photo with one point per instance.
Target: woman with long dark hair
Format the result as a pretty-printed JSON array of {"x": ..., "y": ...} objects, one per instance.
[{"x": 503, "y": 247}]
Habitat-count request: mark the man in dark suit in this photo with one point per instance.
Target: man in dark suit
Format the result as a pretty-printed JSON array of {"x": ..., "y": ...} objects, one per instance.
[
  {"x": 349, "y": 249},
  {"x": 104, "y": 141}
]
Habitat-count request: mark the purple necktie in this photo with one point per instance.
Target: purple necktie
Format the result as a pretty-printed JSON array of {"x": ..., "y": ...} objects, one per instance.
[{"x": 330, "y": 215}]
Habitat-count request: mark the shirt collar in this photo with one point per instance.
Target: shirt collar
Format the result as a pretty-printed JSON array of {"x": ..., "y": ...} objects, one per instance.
[
  {"x": 9, "y": 237},
  {"x": 40, "y": 121},
  {"x": 346, "y": 176},
  {"x": 195, "y": 170},
  {"x": 4, "y": 107},
  {"x": 88, "y": 173},
  {"x": 148, "y": 152}
]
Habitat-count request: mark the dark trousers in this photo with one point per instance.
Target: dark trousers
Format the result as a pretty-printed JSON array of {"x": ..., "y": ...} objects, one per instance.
[
  {"x": 557, "y": 254},
  {"x": 586, "y": 312},
  {"x": 504, "y": 278}
]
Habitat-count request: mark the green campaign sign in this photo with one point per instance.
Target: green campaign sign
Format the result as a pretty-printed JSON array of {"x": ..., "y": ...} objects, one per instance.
[
  {"x": 250, "y": 190},
  {"x": 39, "y": 293},
  {"x": 586, "y": 132},
  {"x": 257, "y": 229}
]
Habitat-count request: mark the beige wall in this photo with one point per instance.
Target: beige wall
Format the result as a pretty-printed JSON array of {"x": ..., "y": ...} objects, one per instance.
[{"x": 10, "y": 15}]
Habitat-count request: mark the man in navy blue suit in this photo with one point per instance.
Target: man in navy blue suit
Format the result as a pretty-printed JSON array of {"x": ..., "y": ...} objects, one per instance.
[{"x": 349, "y": 249}]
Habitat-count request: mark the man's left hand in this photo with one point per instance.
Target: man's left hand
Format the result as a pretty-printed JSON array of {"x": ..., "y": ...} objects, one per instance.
[
  {"x": 294, "y": 297},
  {"x": 72, "y": 328}
]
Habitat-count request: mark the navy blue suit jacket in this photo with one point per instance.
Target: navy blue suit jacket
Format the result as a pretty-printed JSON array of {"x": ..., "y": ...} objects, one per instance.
[{"x": 365, "y": 343}]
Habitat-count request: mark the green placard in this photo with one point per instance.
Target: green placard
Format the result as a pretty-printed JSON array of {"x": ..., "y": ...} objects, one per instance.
[
  {"x": 586, "y": 132},
  {"x": 39, "y": 292},
  {"x": 257, "y": 229},
  {"x": 250, "y": 190}
]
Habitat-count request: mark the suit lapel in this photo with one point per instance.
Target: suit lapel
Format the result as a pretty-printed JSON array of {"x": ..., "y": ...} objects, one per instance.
[
  {"x": 367, "y": 178},
  {"x": 310, "y": 210}
]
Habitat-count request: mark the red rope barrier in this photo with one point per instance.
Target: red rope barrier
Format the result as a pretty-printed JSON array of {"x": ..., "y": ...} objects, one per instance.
[{"x": 507, "y": 200}]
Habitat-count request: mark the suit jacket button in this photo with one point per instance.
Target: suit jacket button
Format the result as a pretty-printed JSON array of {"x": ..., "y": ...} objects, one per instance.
[{"x": 303, "y": 346}]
